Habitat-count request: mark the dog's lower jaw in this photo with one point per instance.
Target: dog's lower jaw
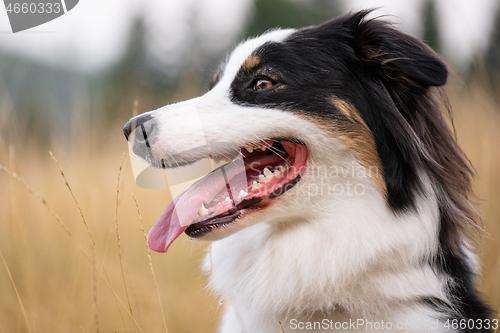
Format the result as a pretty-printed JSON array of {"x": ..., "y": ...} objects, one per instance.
[{"x": 373, "y": 268}]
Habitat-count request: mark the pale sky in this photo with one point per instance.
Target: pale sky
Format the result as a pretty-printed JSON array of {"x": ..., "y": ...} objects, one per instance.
[{"x": 94, "y": 34}]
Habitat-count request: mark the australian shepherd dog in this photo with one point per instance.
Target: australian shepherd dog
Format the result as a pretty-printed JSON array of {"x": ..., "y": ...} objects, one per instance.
[{"x": 356, "y": 213}]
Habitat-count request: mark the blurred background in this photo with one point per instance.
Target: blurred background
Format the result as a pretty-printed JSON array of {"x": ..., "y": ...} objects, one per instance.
[{"x": 69, "y": 86}]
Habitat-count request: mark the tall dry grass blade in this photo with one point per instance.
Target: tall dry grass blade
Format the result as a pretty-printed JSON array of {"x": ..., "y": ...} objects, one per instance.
[
  {"x": 118, "y": 236},
  {"x": 282, "y": 329},
  {"x": 94, "y": 278},
  {"x": 12, "y": 190},
  {"x": 63, "y": 225},
  {"x": 40, "y": 198},
  {"x": 135, "y": 108},
  {"x": 15, "y": 289},
  {"x": 150, "y": 262},
  {"x": 90, "y": 234}
]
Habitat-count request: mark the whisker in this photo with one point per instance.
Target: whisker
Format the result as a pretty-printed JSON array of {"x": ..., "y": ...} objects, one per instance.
[{"x": 274, "y": 150}]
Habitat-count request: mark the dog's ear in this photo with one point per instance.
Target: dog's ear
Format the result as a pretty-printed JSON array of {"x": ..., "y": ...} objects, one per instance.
[{"x": 393, "y": 55}]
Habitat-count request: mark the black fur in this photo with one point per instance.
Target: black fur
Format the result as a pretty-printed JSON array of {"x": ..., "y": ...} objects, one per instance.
[
  {"x": 389, "y": 77},
  {"x": 339, "y": 58}
]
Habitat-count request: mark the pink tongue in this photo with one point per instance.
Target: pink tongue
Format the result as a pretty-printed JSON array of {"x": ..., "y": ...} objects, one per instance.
[{"x": 183, "y": 209}]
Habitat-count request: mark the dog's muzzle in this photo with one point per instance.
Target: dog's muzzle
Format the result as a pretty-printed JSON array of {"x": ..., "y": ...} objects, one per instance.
[{"x": 193, "y": 158}]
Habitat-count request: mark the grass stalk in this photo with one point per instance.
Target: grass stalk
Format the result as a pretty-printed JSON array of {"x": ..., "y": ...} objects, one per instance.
[
  {"x": 40, "y": 198},
  {"x": 13, "y": 198},
  {"x": 150, "y": 263},
  {"x": 94, "y": 278},
  {"x": 282, "y": 329},
  {"x": 90, "y": 234},
  {"x": 17, "y": 292},
  {"x": 118, "y": 235}
]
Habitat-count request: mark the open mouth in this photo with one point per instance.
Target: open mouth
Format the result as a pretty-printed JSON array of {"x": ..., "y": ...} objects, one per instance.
[
  {"x": 271, "y": 167},
  {"x": 264, "y": 171}
]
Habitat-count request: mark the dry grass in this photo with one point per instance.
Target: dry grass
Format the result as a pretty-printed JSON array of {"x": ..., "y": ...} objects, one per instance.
[
  {"x": 95, "y": 276},
  {"x": 49, "y": 251}
]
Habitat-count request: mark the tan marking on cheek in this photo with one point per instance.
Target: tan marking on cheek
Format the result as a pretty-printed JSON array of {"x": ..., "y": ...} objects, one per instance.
[
  {"x": 356, "y": 135},
  {"x": 250, "y": 63},
  {"x": 350, "y": 112}
]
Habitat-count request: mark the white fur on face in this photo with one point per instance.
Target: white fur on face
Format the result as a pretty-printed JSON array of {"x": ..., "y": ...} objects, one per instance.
[{"x": 318, "y": 248}]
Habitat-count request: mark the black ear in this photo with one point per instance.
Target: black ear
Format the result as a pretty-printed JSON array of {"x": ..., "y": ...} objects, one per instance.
[{"x": 395, "y": 55}]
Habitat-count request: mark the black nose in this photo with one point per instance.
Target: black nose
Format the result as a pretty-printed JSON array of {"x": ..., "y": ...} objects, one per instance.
[
  {"x": 136, "y": 122},
  {"x": 145, "y": 135}
]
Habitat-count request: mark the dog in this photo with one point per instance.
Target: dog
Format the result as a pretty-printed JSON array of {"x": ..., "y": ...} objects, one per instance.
[{"x": 356, "y": 213}]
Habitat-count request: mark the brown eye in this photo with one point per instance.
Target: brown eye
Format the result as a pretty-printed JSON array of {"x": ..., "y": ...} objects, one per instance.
[{"x": 262, "y": 84}]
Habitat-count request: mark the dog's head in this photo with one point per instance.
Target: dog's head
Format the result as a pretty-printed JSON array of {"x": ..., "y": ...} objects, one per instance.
[{"x": 347, "y": 105}]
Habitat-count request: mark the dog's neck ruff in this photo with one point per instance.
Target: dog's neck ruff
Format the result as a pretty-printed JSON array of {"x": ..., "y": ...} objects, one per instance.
[{"x": 359, "y": 278}]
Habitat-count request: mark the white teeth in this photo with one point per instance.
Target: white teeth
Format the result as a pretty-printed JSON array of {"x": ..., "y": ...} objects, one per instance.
[
  {"x": 219, "y": 203},
  {"x": 266, "y": 178},
  {"x": 268, "y": 173},
  {"x": 227, "y": 199},
  {"x": 281, "y": 168},
  {"x": 203, "y": 211},
  {"x": 256, "y": 146},
  {"x": 262, "y": 179},
  {"x": 255, "y": 185},
  {"x": 242, "y": 194}
]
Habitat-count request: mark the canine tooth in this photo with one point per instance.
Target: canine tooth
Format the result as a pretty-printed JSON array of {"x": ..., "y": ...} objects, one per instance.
[
  {"x": 242, "y": 194},
  {"x": 268, "y": 173},
  {"x": 203, "y": 211}
]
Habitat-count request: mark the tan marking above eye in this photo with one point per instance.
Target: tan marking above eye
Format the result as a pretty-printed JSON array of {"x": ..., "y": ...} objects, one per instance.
[
  {"x": 250, "y": 63},
  {"x": 262, "y": 84}
]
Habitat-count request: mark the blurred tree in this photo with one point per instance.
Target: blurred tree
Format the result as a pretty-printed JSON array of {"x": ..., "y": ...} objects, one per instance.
[
  {"x": 132, "y": 78},
  {"x": 492, "y": 55},
  {"x": 140, "y": 76},
  {"x": 431, "y": 34},
  {"x": 38, "y": 100},
  {"x": 290, "y": 14}
]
